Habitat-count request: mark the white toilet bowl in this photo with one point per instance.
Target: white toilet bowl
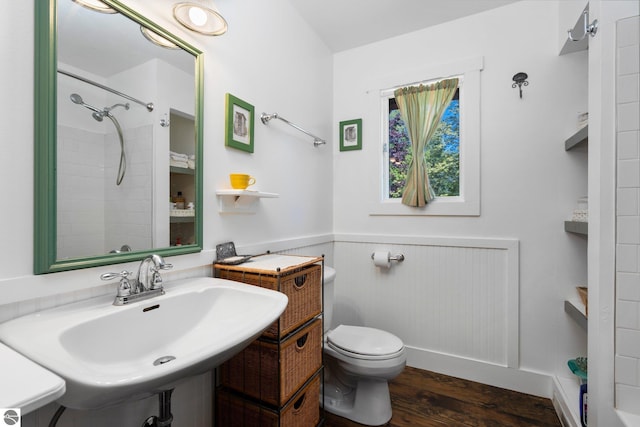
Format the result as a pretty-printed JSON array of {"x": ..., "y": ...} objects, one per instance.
[{"x": 359, "y": 362}]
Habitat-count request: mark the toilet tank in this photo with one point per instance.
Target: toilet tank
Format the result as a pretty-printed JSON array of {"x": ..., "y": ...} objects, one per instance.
[{"x": 328, "y": 287}]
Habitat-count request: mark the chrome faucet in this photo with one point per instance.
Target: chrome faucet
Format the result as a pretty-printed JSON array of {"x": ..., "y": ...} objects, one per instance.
[
  {"x": 147, "y": 284},
  {"x": 153, "y": 281}
]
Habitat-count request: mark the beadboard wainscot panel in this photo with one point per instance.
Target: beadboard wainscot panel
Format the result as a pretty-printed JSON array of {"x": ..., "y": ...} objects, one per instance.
[{"x": 453, "y": 301}]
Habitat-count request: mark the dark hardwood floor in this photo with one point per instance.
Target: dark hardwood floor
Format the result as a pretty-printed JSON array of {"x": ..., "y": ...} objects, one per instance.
[{"x": 426, "y": 399}]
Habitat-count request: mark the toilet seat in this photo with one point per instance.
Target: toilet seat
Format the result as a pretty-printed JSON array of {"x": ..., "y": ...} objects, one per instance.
[{"x": 364, "y": 343}]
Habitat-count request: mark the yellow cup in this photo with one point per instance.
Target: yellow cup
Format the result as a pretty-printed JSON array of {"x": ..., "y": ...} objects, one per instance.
[{"x": 240, "y": 181}]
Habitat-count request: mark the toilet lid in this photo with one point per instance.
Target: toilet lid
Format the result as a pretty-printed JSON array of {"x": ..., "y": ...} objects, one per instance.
[{"x": 364, "y": 341}]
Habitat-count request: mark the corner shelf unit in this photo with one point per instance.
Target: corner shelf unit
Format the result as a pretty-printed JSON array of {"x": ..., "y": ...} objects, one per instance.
[
  {"x": 566, "y": 389},
  {"x": 241, "y": 201}
]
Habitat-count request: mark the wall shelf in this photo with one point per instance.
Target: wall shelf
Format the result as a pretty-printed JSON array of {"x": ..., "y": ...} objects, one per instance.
[
  {"x": 576, "y": 227},
  {"x": 578, "y": 139},
  {"x": 181, "y": 219},
  {"x": 577, "y": 311},
  {"x": 241, "y": 201},
  {"x": 182, "y": 171}
]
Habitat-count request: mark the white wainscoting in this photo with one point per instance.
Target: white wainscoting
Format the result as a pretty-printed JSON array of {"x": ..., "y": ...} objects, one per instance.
[{"x": 451, "y": 299}]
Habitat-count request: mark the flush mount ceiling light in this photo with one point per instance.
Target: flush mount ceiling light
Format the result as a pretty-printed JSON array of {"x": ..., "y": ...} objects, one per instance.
[
  {"x": 95, "y": 5},
  {"x": 157, "y": 39},
  {"x": 200, "y": 19}
]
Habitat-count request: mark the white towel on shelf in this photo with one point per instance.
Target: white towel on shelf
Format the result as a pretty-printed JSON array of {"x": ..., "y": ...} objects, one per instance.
[
  {"x": 179, "y": 164},
  {"x": 178, "y": 156}
]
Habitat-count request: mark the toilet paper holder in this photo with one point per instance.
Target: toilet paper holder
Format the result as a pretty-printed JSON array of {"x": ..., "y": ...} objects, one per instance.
[{"x": 396, "y": 257}]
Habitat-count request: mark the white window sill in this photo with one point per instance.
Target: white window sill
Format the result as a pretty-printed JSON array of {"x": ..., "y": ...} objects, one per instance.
[{"x": 445, "y": 206}]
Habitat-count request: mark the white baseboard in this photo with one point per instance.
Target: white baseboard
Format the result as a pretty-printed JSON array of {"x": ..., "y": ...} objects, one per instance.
[{"x": 475, "y": 370}]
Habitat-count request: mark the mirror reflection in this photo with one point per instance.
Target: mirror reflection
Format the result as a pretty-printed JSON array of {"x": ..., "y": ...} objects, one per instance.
[{"x": 126, "y": 137}]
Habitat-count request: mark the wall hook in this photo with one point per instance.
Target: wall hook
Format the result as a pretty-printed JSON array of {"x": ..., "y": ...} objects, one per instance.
[
  {"x": 590, "y": 29},
  {"x": 520, "y": 80}
]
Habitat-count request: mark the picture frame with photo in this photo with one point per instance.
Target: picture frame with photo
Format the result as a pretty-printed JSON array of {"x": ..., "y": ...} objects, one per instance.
[
  {"x": 239, "y": 121},
  {"x": 351, "y": 135}
]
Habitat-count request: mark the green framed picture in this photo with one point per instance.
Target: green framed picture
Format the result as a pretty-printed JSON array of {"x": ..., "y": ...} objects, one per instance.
[
  {"x": 239, "y": 118},
  {"x": 351, "y": 135}
]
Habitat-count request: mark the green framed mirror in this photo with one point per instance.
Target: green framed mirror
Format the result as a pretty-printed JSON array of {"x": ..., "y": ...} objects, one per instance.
[{"x": 118, "y": 138}]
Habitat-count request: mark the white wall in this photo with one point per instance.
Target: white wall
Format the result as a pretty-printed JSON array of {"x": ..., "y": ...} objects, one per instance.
[
  {"x": 257, "y": 61},
  {"x": 529, "y": 184}
]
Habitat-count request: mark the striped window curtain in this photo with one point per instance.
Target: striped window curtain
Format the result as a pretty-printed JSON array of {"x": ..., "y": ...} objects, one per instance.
[{"x": 421, "y": 108}]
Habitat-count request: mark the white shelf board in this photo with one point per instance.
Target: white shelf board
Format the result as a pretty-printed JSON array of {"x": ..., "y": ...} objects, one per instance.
[
  {"x": 578, "y": 312},
  {"x": 241, "y": 201}
]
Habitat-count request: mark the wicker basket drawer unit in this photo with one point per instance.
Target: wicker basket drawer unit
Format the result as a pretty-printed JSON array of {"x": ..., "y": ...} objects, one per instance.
[
  {"x": 274, "y": 371},
  {"x": 302, "y": 284},
  {"x": 303, "y": 410}
]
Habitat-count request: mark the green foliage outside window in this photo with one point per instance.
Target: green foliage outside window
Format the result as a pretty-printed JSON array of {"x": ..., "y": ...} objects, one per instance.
[{"x": 442, "y": 154}]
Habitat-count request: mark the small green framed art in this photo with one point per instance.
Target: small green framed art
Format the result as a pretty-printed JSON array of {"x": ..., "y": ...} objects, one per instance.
[
  {"x": 239, "y": 118},
  {"x": 351, "y": 135}
]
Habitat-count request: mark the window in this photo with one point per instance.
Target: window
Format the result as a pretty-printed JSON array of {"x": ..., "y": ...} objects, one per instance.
[
  {"x": 453, "y": 155},
  {"x": 442, "y": 154}
]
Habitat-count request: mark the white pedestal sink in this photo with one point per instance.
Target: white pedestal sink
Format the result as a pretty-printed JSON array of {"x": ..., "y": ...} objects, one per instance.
[{"x": 109, "y": 354}]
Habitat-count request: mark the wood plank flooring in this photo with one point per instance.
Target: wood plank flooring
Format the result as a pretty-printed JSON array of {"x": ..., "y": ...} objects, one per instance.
[{"x": 425, "y": 399}]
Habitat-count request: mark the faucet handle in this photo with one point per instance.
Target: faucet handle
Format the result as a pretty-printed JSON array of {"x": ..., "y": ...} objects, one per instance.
[
  {"x": 124, "y": 274},
  {"x": 165, "y": 266},
  {"x": 124, "y": 289}
]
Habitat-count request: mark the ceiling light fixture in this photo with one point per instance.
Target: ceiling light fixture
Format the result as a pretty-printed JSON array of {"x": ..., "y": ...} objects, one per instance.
[
  {"x": 157, "y": 39},
  {"x": 95, "y": 5},
  {"x": 200, "y": 19}
]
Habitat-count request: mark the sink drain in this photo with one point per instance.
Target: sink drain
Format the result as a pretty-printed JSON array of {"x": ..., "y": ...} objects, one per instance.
[{"x": 162, "y": 360}]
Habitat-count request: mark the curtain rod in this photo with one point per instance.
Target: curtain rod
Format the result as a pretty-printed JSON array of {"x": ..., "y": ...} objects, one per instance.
[
  {"x": 317, "y": 141},
  {"x": 148, "y": 105}
]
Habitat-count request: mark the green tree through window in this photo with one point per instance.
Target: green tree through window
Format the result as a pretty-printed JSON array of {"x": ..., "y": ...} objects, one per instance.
[{"x": 442, "y": 153}]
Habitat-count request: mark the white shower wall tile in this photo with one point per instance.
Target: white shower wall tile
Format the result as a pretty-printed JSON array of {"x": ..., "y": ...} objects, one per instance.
[
  {"x": 627, "y": 201},
  {"x": 628, "y": 342},
  {"x": 628, "y": 286},
  {"x": 627, "y": 314},
  {"x": 628, "y": 32},
  {"x": 628, "y": 173},
  {"x": 627, "y": 258},
  {"x": 627, "y": 362},
  {"x": 627, "y": 371},
  {"x": 627, "y": 89},
  {"x": 628, "y": 60},
  {"x": 628, "y": 145},
  {"x": 629, "y": 116},
  {"x": 628, "y": 230},
  {"x": 627, "y": 398}
]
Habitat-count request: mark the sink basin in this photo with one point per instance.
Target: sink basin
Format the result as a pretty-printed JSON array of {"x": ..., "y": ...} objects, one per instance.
[{"x": 108, "y": 354}]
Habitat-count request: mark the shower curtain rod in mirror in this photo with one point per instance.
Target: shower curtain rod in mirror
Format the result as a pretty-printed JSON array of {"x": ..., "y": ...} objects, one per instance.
[{"x": 147, "y": 105}]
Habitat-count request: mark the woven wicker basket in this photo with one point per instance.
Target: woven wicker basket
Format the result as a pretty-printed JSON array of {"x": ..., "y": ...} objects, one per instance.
[
  {"x": 273, "y": 372},
  {"x": 303, "y": 288},
  {"x": 302, "y": 411}
]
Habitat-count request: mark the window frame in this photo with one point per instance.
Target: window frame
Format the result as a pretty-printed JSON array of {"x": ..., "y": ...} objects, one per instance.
[{"x": 468, "y": 202}]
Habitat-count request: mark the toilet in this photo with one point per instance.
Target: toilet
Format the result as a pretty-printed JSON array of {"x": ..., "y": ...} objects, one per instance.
[{"x": 359, "y": 362}]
